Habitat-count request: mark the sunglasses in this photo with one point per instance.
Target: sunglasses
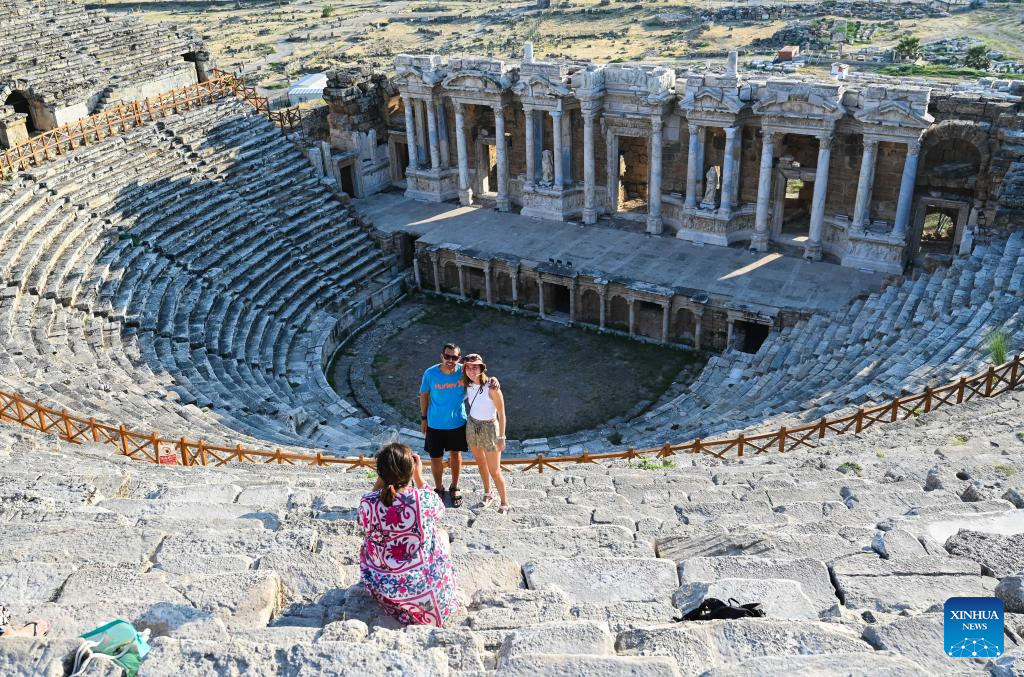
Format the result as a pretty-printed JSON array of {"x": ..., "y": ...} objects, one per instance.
[{"x": 451, "y": 358}]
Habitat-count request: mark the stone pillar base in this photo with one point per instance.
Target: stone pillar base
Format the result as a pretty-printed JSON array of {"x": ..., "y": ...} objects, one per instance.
[
  {"x": 724, "y": 212},
  {"x": 812, "y": 251},
  {"x": 759, "y": 242},
  {"x": 655, "y": 225},
  {"x": 466, "y": 197},
  {"x": 590, "y": 216},
  {"x": 504, "y": 204}
]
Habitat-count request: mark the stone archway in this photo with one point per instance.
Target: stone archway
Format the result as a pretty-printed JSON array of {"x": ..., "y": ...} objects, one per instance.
[
  {"x": 589, "y": 311},
  {"x": 19, "y": 100},
  {"x": 618, "y": 313},
  {"x": 684, "y": 326},
  {"x": 955, "y": 158}
]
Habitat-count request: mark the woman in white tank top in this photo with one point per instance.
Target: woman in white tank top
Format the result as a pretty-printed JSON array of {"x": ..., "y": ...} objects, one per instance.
[{"x": 485, "y": 429}]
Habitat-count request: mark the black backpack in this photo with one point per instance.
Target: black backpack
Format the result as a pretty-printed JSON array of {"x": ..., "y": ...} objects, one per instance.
[{"x": 713, "y": 609}]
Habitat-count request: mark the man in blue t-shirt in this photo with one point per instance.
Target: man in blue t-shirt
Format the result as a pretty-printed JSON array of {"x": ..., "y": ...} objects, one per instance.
[{"x": 443, "y": 418}]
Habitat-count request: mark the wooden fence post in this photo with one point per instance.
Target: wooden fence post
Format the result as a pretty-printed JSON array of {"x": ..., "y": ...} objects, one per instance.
[
  {"x": 1014, "y": 366},
  {"x": 94, "y": 430},
  {"x": 927, "y": 399},
  {"x": 124, "y": 440},
  {"x": 67, "y": 425},
  {"x": 989, "y": 378},
  {"x": 183, "y": 448},
  {"x": 822, "y": 427},
  {"x": 41, "y": 410},
  {"x": 895, "y": 413},
  {"x": 782, "y": 440},
  {"x": 859, "y": 421},
  {"x": 154, "y": 439},
  {"x": 960, "y": 389},
  {"x": 739, "y": 446}
]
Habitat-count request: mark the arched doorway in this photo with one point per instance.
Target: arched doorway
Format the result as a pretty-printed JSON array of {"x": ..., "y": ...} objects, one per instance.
[
  {"x": 590, "y": 307},
  {"x": 20, "y": 103}
]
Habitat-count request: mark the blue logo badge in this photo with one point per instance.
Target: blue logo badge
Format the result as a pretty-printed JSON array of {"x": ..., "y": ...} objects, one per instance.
[{"x": 973, "y": 627}]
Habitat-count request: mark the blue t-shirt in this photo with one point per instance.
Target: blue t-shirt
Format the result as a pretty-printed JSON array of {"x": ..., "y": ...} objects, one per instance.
[{"x": 447, "y": 409}]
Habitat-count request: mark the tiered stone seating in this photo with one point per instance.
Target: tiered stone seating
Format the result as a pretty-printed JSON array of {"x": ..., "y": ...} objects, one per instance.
[
  {"x": 66, "y": 54},
  {"x": 200, "y": 264},
  {"x": 851, "y": 548},
  {"x": 922, "y": 332}
]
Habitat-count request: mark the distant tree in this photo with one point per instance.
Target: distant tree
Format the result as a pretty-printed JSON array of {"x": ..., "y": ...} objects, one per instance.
[
  {"x": 908, "y": 48},
  {"x": 977, "y": 57}
]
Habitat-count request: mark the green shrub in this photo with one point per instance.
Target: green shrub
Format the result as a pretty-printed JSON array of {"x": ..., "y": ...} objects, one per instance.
[
  {"x": 327, "y": 12},
  {"x": 850, "y": 467},
  {"x": 999, "y": 346},
  {"x": 615, "y": 438},
  {"x": 880, "y": 453},
  {"x": 652, "y": 464},
  {"x": 960, "y": 440}
]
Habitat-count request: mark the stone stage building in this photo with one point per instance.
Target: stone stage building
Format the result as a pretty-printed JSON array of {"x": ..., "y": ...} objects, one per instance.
[{"x": 847, "y": 171}]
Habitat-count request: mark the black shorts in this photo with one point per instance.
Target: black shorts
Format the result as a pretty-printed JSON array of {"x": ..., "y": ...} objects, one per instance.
[{"x": 440, "y": 441}]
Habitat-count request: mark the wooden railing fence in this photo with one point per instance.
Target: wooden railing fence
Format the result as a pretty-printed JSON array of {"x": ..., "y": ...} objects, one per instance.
[
  {"x": 162, "y": 450},
  {"x": 119, "y": 119}
]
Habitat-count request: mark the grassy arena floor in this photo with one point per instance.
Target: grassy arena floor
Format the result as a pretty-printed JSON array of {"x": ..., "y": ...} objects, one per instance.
[{"x": 556, "y": 379}]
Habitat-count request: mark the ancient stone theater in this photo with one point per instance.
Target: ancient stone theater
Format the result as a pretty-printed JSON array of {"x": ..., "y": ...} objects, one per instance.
[{"x": 182, "y": 262}]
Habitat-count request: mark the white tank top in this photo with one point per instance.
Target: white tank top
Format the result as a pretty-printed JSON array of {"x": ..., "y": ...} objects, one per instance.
[{"x": 481, "y": 407}]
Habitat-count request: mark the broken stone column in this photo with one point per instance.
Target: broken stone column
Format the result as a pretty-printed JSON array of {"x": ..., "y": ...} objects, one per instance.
[{"x": 13, "y": 127}]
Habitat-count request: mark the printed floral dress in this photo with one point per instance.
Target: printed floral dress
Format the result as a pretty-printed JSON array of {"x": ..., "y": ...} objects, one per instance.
[{"x": 403, "y": 564}]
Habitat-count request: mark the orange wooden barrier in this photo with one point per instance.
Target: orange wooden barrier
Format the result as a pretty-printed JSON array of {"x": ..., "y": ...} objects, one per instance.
[
  {"x": 118, "y": 120},
  {"x": 156, "y": 449}
]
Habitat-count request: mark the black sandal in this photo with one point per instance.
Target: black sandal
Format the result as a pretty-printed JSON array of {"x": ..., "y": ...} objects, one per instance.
[{"x": 456, "y": 497}]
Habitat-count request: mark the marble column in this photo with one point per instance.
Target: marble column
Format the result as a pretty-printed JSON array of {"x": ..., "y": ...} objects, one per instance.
[
  {"x": 572, "y": 302},
  {"x": 503, "y": 202},
  {"x": 906, "y": 199},
  {"x": 556, "y": 148},
  {"x": 465, "y": 192},
  {"x": 410, "y": 132},
  {"x": 531, "y": 157},
  {"x": 812, "y": 250},
  {"x": 421, "y": 132},
  {"x": 759, "y": 240},
  {"x": 691, "y": 167},
  {"x": 515, "y": 288},
  {"x": 589, "y": 206},
  {"x": 728, "y": 172},
  {"x": 487, "y": 284},
  {"x": 442, "y": 134},
  {"x": 416, "y": 271},
  {"x": 702, "y": 134},
  {"x": 654, "y": 221},
  {"x": 729, "y": 332},
  {"x": 435, "y": 148},
  {"x": 437, "y": 272},
  {"x": 698, "y": 317},
  {"x": 737, "y": 168},
  {"x": 862, "y": 205},
  {"x": 602, "y": 294},
  {"x": 632, "y": 316},
  {"x": 462, "y": 281},
  {"x": 612, "y": 155},
  {"x": 540, "y": 297},
  {"x": 664, "y": 321}
]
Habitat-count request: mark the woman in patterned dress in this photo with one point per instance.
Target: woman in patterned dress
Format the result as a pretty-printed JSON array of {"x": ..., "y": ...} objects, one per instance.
[{"x": 404, "y": 561}]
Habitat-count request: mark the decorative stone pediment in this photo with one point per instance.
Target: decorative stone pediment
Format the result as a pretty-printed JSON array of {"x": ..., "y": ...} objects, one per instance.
[
  {"x": 894, "y": 114},
  {"x": 475, "y": 82},
  {"x": 801, "y": 102},
  {"x": 711, "y": 100},
  {"x": 538, "y": 86}
]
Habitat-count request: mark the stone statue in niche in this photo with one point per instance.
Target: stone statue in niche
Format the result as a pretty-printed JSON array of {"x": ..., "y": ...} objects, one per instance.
[
  {"x": 547, "y": 168},
  {"x": 710, "y": 188}
]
